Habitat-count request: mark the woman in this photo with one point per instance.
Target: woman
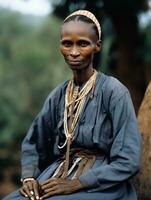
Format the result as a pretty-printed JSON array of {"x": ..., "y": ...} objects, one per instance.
[{"x": 85, "y": 143}]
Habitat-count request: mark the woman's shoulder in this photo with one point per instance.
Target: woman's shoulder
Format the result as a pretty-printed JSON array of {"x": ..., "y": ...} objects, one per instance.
[
  {"x": 112, "y": 85},
  {"x": 112, "y": 90}
]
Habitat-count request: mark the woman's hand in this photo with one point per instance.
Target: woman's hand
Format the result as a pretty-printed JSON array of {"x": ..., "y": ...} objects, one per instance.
[
  {"x": 59, "y": 186},
  {"x": 30, "y": 189}
]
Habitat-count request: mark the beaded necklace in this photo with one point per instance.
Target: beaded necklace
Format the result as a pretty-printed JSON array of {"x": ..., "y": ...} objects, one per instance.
[{"x": 74, "y": 102}]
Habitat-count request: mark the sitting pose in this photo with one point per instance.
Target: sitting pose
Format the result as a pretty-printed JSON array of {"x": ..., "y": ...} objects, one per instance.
[{"x": 84, "y": 144}]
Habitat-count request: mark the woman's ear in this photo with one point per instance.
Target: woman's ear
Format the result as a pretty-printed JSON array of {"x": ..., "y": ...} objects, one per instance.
[{"x": 98, "y": 46}]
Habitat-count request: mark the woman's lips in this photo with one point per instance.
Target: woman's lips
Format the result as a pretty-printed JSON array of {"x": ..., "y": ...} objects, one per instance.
[{"x": 74, "y": 62}]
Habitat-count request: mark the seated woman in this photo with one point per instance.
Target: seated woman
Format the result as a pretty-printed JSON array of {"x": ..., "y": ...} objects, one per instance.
[{"x": 85, "y": 143}]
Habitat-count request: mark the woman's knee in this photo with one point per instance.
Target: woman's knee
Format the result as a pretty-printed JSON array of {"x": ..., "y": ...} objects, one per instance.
[{"x": 14, "y": 196}]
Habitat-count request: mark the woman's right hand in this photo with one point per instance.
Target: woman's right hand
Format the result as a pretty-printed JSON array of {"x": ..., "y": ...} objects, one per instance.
[{"x": 30, "y": 189}]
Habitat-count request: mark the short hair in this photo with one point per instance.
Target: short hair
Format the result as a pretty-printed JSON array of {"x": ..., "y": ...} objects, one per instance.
[{"x": 84, "y": 19}]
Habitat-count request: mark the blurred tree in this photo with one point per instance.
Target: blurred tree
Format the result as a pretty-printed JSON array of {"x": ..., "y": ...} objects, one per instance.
[
  {"x": 30, "y": 64},
  {"x": 128, "y": 65},
  {"x": 30, "y": 67}
]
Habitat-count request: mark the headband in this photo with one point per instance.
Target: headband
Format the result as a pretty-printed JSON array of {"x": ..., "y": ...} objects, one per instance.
[{"x": 89, "y": 15}]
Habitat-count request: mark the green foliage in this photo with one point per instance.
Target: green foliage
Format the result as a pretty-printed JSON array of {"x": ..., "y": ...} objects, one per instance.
[
  {"x": 30, "y": 67},
  {"x": 99, "y": 7}
]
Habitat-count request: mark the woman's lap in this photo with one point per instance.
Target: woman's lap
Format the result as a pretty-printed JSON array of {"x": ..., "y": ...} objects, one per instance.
[
  {"x": 15, "y": 196},
  {"x": 76, "y": 196},
  {"x": 115, "y": 193}
]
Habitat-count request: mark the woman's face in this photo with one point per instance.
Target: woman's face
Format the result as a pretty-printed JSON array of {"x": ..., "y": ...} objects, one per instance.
[{"x": 78, "y": 44}]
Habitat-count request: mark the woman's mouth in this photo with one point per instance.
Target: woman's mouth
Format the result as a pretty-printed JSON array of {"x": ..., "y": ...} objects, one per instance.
[{"x": 74, "y": 62}]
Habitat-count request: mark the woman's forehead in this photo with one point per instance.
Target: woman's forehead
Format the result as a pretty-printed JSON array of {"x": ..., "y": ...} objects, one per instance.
[{"x": 78, "y": 28}]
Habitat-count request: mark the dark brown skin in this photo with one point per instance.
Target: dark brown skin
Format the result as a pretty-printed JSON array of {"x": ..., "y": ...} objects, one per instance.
[
  {"x": 60, "y": 186},
  {"x": 78, "y": 45},
  {"x": 28, "y": 186},
  {"x": 49, "y": 188}
]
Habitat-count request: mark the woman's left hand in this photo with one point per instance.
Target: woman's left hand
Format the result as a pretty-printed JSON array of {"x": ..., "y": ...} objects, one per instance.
[{"x": 59, "y": 186}]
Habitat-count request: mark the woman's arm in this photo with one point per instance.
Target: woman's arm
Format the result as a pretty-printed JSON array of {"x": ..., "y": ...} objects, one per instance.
[
  {"x": 37, "y": 146},
  {"x": 34, "y": 149},
  {"x": 35, "y": 143},
  {"x": 125, "y": 149}
]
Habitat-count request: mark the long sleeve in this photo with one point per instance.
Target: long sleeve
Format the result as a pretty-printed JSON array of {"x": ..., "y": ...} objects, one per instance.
[
  {"x": 38, "y": 144},
  {"x": 124, "y": 155},
  {"x": 35, "y": 139}
]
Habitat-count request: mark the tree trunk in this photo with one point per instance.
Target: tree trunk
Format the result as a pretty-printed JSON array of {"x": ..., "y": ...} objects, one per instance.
[
  {"x": 143, "y": 180},
  {"x": 129, "y": 67}
]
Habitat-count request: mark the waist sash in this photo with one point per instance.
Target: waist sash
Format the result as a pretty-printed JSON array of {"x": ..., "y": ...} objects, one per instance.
[{"x": 80, "y": 161}]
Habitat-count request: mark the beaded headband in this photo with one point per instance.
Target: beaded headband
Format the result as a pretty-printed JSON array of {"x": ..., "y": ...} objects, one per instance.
[{"x": 89, "y": 15}]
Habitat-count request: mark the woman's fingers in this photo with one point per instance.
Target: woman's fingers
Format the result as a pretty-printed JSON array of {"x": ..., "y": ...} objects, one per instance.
[
  {"x": 51, "y": 191},
  {"x": 28, "y": 192},
  {"x": 23, "y": 192},
  {"x": 50, "y": 180},
  {"x": 49, "y": 183},
  {"x": 59, "y": 186},
  {"x": 36, "y": 190},
  {"x": 30, "y": 189}
]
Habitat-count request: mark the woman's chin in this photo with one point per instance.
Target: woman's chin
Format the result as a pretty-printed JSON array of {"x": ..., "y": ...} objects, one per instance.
[{"x": 75, "y": 67}]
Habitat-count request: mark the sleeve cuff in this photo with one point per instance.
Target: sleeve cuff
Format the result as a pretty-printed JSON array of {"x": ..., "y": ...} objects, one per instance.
[{"x": 30, "y": 171}]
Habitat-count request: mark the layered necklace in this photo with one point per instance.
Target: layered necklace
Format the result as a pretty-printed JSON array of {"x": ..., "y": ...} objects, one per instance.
[{"x": 74, "y": 103}]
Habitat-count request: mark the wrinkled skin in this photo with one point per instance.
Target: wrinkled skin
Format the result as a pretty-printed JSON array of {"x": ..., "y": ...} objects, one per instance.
[
  {"x": 32, "y": 185},
  {"x": 49, "y": 188},
  {"x": 78, "y": 45},
  {"x": 60, "y": 186}
]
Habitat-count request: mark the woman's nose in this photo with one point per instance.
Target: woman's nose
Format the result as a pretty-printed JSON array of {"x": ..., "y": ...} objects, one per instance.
[{"x": 74, "y": 51}]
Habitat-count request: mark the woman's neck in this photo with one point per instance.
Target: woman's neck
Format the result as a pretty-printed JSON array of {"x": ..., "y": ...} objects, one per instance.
[{"x": 82, "y": 75}]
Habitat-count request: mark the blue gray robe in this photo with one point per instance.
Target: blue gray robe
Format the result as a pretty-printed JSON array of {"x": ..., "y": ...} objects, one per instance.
[{"x": 107, "y": 123}]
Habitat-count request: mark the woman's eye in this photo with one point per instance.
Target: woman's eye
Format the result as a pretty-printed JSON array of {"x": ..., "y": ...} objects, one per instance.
[
  {"x": 83, "y": 43},
  {"x": 67, "y": 43}
]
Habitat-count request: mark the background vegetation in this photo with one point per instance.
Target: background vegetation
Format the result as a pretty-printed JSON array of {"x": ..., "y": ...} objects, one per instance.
[{"x": 31, "y": 65}]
